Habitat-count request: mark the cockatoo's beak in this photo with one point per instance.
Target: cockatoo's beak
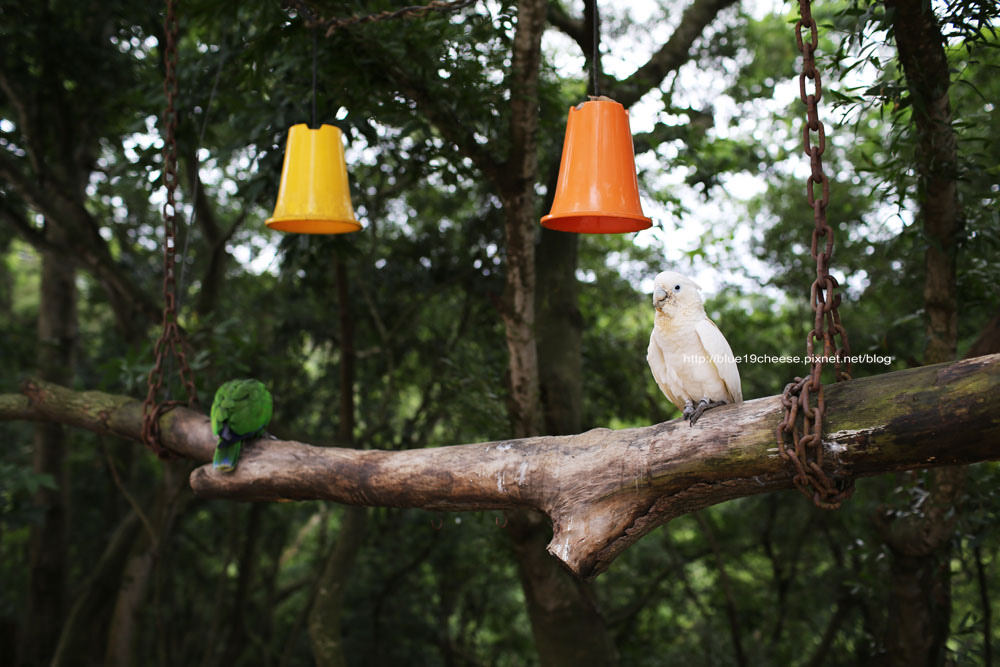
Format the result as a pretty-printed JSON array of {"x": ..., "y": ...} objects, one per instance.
[{"x": 659, "y": 296}]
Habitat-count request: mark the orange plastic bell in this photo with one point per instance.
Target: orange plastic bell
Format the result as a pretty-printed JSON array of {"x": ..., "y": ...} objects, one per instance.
[
  {"x": 314, "y": 196},
  {"x": 597, "y": 191}
]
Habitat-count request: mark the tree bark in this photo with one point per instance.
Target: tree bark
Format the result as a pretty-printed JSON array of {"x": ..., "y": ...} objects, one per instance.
[
  {"x": 560, "y": 333},
  {"x": 234, "y": 637},
  {"x": 142, "y": 562},
  {"x": 602, "y": 489},
  {"x": 324, "y": 617},
  {"x": 517, "y": 192},
  {"x": 988, "y": 341},
  {"x": 48, "y": 566},
  {"x": 327, "y": 605},
  {"x": 215, "y": 236},
  {"x": 566, "y": 623},
  {"x": 559, "y": 349},
  {"x": 925, "y": 65},
  {"x": 920, "y": 587},
  {"x": 87, "y": 623},
  {"x": 920, "y": 541}
]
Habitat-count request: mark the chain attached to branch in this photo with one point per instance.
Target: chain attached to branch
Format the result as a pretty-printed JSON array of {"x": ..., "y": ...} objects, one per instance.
[
  {"x": 330, "y": 26},
  {"x": 806, "y": 452},
  {"x": 170, "y": 337}
]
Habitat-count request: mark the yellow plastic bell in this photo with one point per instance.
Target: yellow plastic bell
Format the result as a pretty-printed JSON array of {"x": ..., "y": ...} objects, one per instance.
[{"x": 314, "y": 196}]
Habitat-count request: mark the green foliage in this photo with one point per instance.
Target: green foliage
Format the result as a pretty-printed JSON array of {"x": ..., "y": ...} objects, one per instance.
[
  {"x": 17, "y": 485},
  {"x": 19, "y": 274},
  {"x": 422, "y": 284}
]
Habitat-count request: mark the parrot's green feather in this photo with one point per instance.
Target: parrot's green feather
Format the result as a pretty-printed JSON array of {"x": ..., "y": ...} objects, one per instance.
[{"x": 241, "y": 411}]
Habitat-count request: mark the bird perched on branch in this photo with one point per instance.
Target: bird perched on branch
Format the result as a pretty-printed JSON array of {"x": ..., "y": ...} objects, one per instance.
[
  {"x": 241, "y": 411},
  {"x": 690, "y": 359}
]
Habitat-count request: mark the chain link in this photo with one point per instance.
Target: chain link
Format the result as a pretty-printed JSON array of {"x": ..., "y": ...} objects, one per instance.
[
  {"x": 806, "y": 451},
  {"x": 331, "y": 25},
  {"x": 170, "y": 340}
]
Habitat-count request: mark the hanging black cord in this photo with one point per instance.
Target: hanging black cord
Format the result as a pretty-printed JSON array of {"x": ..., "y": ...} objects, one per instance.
[
  {"x": 595, "y": 49},
  {"x": 315, "y": 33}
]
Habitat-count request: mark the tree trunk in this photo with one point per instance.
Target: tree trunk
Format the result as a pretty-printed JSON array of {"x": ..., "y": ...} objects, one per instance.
[
  {"x": 925, "y": 66},
  {"x": 988, "y": 341},
  {"x": 920, "y": 592},
  {"x": 920, "y": 587},
  {"x": 141, "y": 565},
  {"x": 565, "y": 622},
  {"x": 327, "y": 605},
  {"x": 48, "y": 558},
  {"x": 517, "y": 192},
  {"x": 234, "y": 632},
  {"x": 567, "y": 626},
  {"x": 560, "y": 333},
  {"x": 81, "y": 638}
]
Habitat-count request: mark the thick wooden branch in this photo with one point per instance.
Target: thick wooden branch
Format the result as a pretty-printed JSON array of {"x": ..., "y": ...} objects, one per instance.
[
  {"x": 602, "y": 489},
  {"x": 186, "y": 433}
]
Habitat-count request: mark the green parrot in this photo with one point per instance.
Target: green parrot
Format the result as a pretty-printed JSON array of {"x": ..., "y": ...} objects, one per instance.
[{"x": 241, "y": 411}]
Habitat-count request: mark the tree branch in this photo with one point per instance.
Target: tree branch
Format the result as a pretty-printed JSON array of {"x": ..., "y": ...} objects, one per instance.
[
  {"x": 40, "y": 199},
  {"x": 674, "y": 53},
  {"x": 574, "y": 28},
  {"x": 213, "y": 232},
  {"x": 32, "y": 235},
  {"x": 15, "y": 99},
  {"x": 603, "y": 489},
  {"x": 134, "y": 308}
]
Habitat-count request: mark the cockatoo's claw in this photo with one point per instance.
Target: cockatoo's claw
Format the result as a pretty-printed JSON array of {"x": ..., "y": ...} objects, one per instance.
[
  {"x": 703, "y": 405},
  {"x": 688, "y": 410}
]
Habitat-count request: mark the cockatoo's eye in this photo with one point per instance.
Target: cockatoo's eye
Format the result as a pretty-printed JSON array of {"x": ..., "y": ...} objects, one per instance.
[{"x": 677, "y": 288}]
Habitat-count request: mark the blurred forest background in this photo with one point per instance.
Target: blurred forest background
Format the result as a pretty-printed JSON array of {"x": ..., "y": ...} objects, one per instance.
[{"x": 401, "y": 336}]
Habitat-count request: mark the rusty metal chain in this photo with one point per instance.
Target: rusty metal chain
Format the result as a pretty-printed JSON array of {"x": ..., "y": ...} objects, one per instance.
[
  {"x": 806, "y": 451},
  {"x": 331, "y": 25},
  {"x": 170, "y": 340}
]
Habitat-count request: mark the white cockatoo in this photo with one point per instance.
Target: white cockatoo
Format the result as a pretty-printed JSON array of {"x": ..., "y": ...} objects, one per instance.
[{"x": 690, "y": 359}]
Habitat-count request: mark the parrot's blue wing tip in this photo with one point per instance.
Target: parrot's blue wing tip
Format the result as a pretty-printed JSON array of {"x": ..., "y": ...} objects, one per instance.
[{"x": 225, "y": 457}]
